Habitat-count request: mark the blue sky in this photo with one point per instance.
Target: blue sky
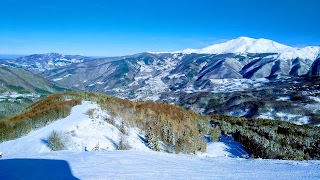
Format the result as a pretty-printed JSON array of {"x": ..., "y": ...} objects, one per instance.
[{"x": 120, "y": 27}]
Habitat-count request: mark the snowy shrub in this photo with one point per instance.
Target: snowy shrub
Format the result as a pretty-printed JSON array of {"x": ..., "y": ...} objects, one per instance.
[
  {"x": 123, "y": 144},
  {"x": 57, "y": 141},
  {"x": 90, "y": 113},
  {"x": 122, "y": 128},
  {"x": 152, "y": 141},
  {"x": 110, "y": 121},
  {"x": 97, "y": 147}
]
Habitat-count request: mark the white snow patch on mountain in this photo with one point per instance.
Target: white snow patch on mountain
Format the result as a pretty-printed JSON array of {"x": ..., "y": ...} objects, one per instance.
[
  {"x": 57, "y": 79},
  {"x": 315, "y": 98},
  {"x": 310, "y": 52},
  {"x": 303, "y": 120},
  {"x": 67, "y": 75},
  {"x": 286, "y": 116},
  {"x": 293, "y": 118},
  {"x": 286, "y": 98}
]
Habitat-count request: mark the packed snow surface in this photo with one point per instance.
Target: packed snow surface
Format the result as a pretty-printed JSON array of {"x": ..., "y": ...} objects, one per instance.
[
  {"x": 156, "y": 165},
  {"x": 30, "y": 158}
]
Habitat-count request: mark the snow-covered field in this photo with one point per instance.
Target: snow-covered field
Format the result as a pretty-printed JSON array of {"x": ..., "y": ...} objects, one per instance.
[{"x": 30, "y": 158}]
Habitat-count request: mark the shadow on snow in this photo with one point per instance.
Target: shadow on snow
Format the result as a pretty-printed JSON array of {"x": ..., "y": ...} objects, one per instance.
[{"x": 35, "y": 169}]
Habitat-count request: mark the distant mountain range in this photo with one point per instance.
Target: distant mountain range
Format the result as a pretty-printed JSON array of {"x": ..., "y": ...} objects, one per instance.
[
  {"x": 43, "y": 62},
  {"x": 242, "y": 64},
  {"x": 242, "y": 58},
  {"x": 187, "y": 70}
]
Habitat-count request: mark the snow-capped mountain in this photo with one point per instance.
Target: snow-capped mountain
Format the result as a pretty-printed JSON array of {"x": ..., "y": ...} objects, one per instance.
[
  {"x": 245, "y": 45},
  {"x": 241, "y": 45},
  {"x": 43, "y": 62}
]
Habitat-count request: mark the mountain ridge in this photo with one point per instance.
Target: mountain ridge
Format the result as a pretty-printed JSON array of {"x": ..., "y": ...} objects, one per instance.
[
  {"x": 246, "y": 45},
  {"x": 154, "y": 76},
  {"x": 42, "y": 62}
]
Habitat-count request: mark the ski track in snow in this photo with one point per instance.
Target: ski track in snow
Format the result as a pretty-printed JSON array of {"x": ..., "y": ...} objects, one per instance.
[{"x": 219, "y": 162}]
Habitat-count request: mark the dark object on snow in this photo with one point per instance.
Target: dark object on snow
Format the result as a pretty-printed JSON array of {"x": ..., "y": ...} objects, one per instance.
[{"x": 85, "y": 149}]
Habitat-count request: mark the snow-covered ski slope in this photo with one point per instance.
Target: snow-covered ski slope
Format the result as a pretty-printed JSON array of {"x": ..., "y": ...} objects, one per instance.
[
  {"x": 30, "y": 158},
  {"x": 155, "y": 165}
]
